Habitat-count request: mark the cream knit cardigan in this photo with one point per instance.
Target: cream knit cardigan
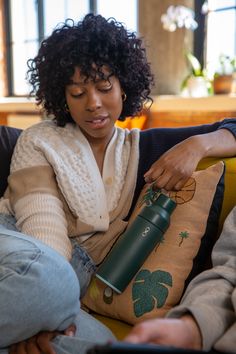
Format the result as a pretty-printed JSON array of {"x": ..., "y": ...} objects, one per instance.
[{"x": 56, "y": 190}]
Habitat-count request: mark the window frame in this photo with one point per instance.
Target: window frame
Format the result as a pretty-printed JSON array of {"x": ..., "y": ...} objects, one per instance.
[
  {"x": 199, "y": 33},
  {"x": 199, "y": 43},
  {"x": 8, "y": 37},
  {"x": 200, "y": 39}
]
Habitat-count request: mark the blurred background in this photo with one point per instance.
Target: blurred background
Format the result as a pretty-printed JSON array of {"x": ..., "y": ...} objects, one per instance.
[{"x": 191, "y": 45}]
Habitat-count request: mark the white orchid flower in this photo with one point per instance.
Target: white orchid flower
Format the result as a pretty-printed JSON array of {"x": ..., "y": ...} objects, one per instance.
[{"x": 178, "y": 17}]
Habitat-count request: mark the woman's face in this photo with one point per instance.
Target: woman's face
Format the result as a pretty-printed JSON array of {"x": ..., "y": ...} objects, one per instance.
[{"x": 94, "y": 105}]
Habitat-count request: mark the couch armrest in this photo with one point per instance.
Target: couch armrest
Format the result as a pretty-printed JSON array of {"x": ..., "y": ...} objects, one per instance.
[{"x": 230, "y": 186}]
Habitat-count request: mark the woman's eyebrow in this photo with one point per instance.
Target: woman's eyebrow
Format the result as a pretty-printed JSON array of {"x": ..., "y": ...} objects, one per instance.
[
  {"x": 76, "y": 83},
  {"x": 96, "y": 80}
]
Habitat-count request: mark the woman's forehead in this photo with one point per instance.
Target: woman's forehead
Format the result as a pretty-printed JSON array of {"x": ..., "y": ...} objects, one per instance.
[{"x": 95, "y": 74}]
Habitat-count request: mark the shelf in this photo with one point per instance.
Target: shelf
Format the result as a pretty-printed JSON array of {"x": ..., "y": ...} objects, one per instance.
[
  {"x": 211, "y": 103},
  {"x": 172, "y": 111}
]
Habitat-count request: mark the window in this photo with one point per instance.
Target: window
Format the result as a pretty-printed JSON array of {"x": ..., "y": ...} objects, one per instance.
[
  {"x": 57, "y": 11},
  {"x": 29, "y": 21},
  {"x": 221, "y": 31},
  {"x": 123, "y": 10},
  {"x": 23, "y": 41}
]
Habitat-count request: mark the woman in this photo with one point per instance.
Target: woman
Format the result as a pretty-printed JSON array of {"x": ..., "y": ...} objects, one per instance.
[{"x": 75, "y": 179}]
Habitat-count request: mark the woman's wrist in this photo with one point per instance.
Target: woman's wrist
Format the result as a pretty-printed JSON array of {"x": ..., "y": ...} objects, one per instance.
[
  {"x": 219, "y": 143},
  {"x": 194, "y": 331},
  {"x": 201, "y": 145}
]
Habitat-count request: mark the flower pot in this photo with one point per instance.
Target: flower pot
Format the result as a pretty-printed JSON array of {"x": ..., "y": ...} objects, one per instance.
[
  {"x": 223, "y": 84},
  {"x": 197, "y": 86}
]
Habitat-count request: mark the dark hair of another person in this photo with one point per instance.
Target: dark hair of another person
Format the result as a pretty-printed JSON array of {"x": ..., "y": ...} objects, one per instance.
[{"x": 94, "y": 40}]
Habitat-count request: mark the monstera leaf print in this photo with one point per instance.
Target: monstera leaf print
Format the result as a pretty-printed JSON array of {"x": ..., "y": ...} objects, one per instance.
[{"x": 150, "y": 290}]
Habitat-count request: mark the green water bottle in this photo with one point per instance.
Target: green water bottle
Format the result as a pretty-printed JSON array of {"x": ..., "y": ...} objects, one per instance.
[{"x": 136, "y": 243}]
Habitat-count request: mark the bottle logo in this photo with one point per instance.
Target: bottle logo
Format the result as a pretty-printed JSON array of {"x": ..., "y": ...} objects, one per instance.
[{"x": 146, "y": 231}]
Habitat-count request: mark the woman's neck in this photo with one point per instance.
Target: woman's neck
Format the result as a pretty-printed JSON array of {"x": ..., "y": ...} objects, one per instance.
[
  {"x": 99, "y": 147},
  {"x": 99, "y": 151}
]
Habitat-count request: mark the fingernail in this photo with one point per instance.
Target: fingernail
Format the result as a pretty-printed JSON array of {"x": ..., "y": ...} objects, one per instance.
[
  {"x": 70, "y": 334},
  {"x": 147, "y": 179}
]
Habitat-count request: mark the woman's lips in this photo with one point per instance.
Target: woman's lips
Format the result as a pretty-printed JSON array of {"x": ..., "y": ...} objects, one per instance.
[{"x": 98, "y": 122}]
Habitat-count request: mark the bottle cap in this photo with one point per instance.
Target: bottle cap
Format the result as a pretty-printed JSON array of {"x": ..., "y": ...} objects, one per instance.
[{"x": 158, "y": 213}]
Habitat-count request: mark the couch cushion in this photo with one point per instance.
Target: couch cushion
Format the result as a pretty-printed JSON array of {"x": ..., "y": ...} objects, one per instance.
[
  {"x": 160, "y": 282},
  {"x": 8, "y": 138}
]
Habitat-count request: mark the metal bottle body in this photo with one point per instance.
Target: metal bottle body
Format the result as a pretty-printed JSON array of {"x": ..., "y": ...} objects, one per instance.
[{"x": 135, "y": 244}]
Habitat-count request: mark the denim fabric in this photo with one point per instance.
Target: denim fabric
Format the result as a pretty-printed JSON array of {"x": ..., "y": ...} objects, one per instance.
[
  {"x": 39, "y": 290},
  {"x": 81, "y": 262},
  {"x": 8, "y": 221},
  {"x": 83, "y": 266},
  {"x": 89, "y": 333}
]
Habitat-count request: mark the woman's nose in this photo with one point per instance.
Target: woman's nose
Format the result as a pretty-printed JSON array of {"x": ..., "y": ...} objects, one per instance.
[{"x": 93, "y": 101}]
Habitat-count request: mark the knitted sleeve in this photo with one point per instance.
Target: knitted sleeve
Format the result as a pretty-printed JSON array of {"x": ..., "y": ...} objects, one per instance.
[
  {"x": 41, "y": 216},
  {"x": 34, "y": 195}
]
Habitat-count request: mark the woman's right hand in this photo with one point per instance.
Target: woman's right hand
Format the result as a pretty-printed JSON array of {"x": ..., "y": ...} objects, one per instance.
[
  {"x": 181, "y": 333},
  {"x": 172, "y": 170},
  {"x": 40, "y": 343}
]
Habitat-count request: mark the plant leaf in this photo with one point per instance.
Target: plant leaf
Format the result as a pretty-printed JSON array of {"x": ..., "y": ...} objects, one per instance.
[
  {"x": 195, "y": 64},
  {"x": 150, "y": 290}
]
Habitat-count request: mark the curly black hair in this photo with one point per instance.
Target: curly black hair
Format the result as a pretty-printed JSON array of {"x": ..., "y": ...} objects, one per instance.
[{"x": 94, "y": 40}]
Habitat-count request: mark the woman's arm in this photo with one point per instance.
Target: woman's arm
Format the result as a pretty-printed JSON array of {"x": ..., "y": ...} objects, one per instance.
[
  {"x": 176, "y": 165},
  {"x": 34, "y": 197}
]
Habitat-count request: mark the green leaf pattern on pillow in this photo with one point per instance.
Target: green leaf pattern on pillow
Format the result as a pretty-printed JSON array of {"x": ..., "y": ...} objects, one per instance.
[
  {"x": 183, "y": 235},
  {"x": 150, "y": 290}
]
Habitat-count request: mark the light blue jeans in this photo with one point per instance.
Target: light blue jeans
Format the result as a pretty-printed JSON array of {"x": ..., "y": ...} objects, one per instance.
[{"x": 39, "y": 290}]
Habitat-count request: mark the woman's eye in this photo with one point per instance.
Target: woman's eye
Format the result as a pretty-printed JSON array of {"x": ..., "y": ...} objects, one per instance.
[
  {"x": 77, "y": 95},
  {"x": 105, "y": 87}
]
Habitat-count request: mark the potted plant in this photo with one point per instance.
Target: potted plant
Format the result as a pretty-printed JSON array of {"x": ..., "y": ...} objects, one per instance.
[
  {"x": 225, "y": 76},
  {"x": 196, "y": 83}
]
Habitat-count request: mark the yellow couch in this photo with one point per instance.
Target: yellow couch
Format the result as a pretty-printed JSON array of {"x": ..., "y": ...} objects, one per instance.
[
  {"x": 8, "y": 137},
  {"x": 120, "y": 329}
]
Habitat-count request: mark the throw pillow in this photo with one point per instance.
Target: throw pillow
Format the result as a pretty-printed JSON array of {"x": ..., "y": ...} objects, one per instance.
[{"x": 159, "y": 284}]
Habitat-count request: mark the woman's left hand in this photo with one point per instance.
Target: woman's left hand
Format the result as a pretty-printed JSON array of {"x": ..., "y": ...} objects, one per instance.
[
  {"x": 40, "y": 343},
  {"x": 172, "y": 170}
]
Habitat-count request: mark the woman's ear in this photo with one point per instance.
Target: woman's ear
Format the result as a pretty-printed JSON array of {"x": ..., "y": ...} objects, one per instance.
[{"x": 124, "y": 96}]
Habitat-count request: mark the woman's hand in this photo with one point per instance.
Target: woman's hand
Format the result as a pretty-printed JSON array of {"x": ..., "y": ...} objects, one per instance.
[
  {"x": 172, "y": 170},
  {"x": 40, "y": 343},
  {"x": 181, "y": 333}
]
